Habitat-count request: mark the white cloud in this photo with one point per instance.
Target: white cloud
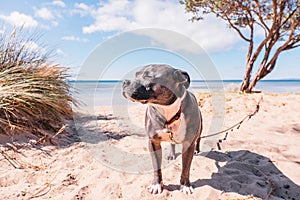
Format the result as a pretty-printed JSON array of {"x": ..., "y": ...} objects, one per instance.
[
  {"x": 49, "y": 14},
  {"x": 111, "y": 16},
  {"x": 74, "y": 38},
  {"x": 19, "y": 19},
  {"x": 59, "y": 3},
  {"x": 44, "y": 13},
  {"x": 122, "y": 15},
  {"x": 59, "y": 52},
  {"x": 4, "y": 29},
  {"x": 54, "y": 23},
  {"x": 81, "y": 6},
  {"x": 82, "y": 9},
  {"x": 32, "y": 46}
]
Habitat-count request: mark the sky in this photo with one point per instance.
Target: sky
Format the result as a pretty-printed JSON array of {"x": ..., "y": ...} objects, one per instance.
[{"x": 75, "y": 30}]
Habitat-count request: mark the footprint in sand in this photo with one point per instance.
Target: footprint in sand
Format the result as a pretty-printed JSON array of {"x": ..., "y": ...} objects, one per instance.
[{"x": 248, "y": 173}]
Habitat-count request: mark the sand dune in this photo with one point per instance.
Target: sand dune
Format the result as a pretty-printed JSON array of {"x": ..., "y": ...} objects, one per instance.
[{"x": 106, "y": 157}]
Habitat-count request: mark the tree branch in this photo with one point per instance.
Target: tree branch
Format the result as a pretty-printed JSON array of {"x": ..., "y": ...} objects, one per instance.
[
  {"x": 228, "y": 19},
  {"x": 270, "y": 66},
  {"x": 288, "y": 18},
  {"x": 259, "y": 14},
  {"x": 235, "y": 28}
]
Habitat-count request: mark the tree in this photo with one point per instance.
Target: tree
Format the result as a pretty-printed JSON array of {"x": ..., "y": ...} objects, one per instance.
[{"x": 279, "y": 19}]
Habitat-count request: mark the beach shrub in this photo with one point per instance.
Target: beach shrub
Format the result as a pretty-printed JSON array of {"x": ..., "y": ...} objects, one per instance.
[{"x": 34, "y": 94}]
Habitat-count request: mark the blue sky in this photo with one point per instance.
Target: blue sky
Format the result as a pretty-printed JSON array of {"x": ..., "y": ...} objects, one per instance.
[{"x": 73, "y": 29}]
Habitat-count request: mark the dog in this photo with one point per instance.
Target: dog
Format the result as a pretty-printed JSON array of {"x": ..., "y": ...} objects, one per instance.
[{"x": 172, "y": 115}]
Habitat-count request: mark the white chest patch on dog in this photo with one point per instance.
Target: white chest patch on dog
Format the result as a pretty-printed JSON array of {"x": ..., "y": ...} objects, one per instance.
[
  {"x": 169, "y": 111},
  {"x": 175, "y": 131}
]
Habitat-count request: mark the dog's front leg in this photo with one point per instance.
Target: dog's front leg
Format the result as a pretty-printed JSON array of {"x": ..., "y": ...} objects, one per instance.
[
  {"x": 187, "y": 157},
  {"x": 156, "y": 155}
]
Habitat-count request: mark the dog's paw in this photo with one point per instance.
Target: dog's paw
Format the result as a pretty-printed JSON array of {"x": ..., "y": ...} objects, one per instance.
[
  {"x": 171, "y": 157},
  {"x": 155, "y": 188},
  {"x": 196, "y": 152},
  {"x": 186, "y": 189}
]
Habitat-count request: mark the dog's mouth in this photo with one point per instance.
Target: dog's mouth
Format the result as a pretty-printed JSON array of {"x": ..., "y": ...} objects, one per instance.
[
  {"x": 149, "y": 94},
  {"x": 139, "y": 101},
  {"x": 129, "y": 97},
  {"x": 143, "y": 101}
]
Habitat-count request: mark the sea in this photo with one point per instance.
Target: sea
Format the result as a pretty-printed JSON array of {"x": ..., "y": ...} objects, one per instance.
[{"x": 107, "y": 92}]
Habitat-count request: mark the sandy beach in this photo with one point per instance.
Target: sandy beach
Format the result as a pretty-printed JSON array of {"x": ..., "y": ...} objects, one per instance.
[{"x": 104, "y": 157}]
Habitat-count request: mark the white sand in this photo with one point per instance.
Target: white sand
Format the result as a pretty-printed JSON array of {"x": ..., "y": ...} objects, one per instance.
[{"x": 258, "y": 161}]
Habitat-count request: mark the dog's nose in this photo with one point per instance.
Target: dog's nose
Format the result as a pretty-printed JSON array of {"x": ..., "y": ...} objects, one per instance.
[{"x": 126, "y": 82}]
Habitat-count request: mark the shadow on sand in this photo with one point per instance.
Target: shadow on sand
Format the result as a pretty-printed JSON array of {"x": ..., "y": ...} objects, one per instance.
[
  {"x": 248, "y": 173},
  {"x": 94, "y": 129},
  {"x": 91, "y": 129}
]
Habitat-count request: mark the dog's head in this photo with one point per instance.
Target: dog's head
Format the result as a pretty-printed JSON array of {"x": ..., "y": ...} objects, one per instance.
[{"x": 156, "y": 84}]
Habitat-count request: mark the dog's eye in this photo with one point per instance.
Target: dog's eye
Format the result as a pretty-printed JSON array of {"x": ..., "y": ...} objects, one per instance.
[{"x": 146, "y": 73}]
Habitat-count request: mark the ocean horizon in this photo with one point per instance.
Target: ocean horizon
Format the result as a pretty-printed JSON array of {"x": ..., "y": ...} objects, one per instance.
[
  {"x": 225, "y": 80},
  {"x": 107, "y": 92}
]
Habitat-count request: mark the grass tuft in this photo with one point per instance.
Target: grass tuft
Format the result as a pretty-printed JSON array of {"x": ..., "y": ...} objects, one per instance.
[{"x": 34, "y": 94}]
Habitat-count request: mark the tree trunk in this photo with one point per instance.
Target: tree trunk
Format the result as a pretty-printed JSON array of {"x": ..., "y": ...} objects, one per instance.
[
  {"x": 262, "y": 72},
  {"x": 252, "y": 84},
  {"x": 265, "y": 69},
  {"x": 247, "y": 76}
]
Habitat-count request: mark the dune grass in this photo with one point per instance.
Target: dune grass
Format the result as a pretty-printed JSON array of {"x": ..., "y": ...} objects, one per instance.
[{"x": 34, "y": 94}]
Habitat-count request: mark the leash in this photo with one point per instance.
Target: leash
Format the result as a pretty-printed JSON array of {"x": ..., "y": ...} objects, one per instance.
[
  {"x": 166, "y": 123},
  {"x": 237, "y": 125}
]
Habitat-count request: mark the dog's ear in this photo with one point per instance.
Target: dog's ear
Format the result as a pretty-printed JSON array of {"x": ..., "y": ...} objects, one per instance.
[{"x": 182, "y": 77}]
